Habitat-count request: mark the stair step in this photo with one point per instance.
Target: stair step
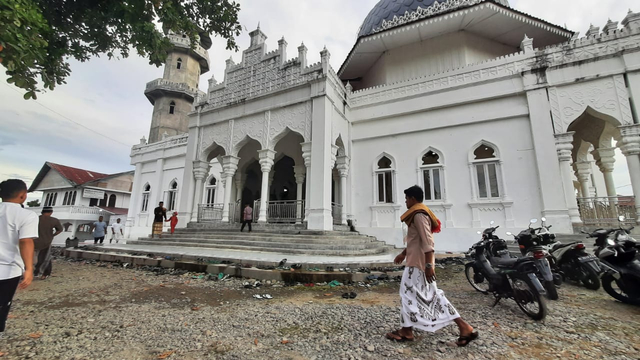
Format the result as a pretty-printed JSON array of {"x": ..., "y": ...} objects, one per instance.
[
  {"x": 266, "y": 244},
  {"x": 286, "y": 250},
  {"x": 274, "y": 238}
]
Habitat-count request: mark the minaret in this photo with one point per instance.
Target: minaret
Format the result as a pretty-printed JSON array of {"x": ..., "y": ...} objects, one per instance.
[{"x": 173, "y": 94}]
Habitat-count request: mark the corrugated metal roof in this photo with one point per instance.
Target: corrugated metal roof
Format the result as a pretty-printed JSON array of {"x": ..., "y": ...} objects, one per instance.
[{"x": 75, "y": 175}]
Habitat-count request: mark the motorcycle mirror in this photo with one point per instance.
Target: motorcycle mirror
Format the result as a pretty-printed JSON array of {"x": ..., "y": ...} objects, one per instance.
[
  {"x": 621, "y": 218},
  {"x": 509, "y": 233},
  {"x": 479, "y": 232},
  {"x": 492, "y": 222},
  {"x": 543, "y": 219},
  {"x": 533, "y": 221}
]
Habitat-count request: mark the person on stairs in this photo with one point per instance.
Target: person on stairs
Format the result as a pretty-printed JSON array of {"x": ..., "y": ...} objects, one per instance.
[
  {"x": 247, "y": 217},
  {"x": 173, "y": 221},
  {"x": 424, "y": 305},
  {"x": 159, "y": 217}
]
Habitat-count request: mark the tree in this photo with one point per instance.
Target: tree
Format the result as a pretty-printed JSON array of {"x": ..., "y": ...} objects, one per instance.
[
  {"x": 33, "y": 203},
  {"x": 38, "y": 37}
]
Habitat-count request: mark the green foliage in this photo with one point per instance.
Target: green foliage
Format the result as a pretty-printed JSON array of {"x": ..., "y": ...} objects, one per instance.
[
  {"x": 33, "y": 203},
  {"x": 38, "y": 37}
]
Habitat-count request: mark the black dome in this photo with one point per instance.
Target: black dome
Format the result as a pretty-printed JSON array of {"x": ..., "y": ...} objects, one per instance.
[{"x": 387, "y": 9}]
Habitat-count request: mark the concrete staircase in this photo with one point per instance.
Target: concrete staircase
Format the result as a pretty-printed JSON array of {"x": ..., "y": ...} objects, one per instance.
[{"x": 283, "y": 239}]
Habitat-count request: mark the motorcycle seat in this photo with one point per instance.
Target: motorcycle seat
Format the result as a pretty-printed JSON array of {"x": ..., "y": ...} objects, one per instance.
[
  {"x": 503, "y": 262},
  {"x": 560, "y": 246}
]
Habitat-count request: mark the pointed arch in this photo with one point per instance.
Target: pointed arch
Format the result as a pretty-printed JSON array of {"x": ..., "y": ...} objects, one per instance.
[
  {"x": 274, "y": 141},
  {"x": 384, "y": 179},
  {"x": 172, "y": 195},
  {"x": 172, "y": 107},
  {"x": 179, "y": 64},
  {"x": 431, "y": 174},
  {"x": 342, "y": 150},
  {"x": 438, "y": 156},
  {"x": 213, "y": 151},
  {"x": 487, "y": 144},
  {"x": 240, "y": 144},
  {"x": 146, "y": 193},
  {"x": 380, "y": 157}
]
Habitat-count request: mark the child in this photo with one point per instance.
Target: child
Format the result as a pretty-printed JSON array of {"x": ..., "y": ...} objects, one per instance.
[{"x": 173, "y": 221}]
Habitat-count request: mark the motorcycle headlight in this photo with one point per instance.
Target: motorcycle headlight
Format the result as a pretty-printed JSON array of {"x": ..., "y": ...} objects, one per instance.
[{"x": 611, "y": 242}]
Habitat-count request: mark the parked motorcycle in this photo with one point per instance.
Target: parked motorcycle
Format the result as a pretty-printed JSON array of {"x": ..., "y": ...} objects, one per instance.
[
  {"x": 617, "y": 252},
  {"x": 571, "y": 260},
  {"x": 505, "y": 277},
  {"x": 531, "y": 243}
]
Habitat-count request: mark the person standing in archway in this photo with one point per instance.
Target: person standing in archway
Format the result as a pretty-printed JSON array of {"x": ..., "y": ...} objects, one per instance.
[
  {"x": 247, "y": 217},
  {"x": 424, "y": 306},
  {"x": 159, "y": 217}
]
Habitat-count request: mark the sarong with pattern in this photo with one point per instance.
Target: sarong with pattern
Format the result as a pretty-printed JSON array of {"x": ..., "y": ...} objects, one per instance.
[
  {"x": 157, "y": 228},
  {"x": 424, "y": 306}
]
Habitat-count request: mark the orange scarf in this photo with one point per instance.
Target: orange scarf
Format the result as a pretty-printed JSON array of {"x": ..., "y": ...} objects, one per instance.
[{"x": 407, "y": 217}]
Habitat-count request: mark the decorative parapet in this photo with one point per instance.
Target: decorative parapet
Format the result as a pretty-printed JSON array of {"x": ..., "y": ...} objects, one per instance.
[
  {"x": 260, "y": 73},
  {"x": 185, "y": 43},
  {"x": 590, "y": 47},
  {"x": 167, "y": 143},
  {"x": 163, "y": 85}
]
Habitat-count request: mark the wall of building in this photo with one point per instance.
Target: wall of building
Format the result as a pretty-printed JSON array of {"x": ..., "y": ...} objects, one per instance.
[
  {"x": 163, "y": 121},
  {"x": 432, "y": 56},
  {"x": 189, "y": 72}
]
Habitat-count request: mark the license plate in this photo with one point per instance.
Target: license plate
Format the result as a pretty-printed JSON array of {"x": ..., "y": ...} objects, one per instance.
[{"x": 587, "y": 258}]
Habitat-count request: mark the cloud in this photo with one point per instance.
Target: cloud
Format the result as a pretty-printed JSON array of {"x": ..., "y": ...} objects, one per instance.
[{"x": 108, "y": 95}]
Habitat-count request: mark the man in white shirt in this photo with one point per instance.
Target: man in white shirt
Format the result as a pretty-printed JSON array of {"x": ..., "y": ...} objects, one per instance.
[
  {"x": 18, "y": 228},
  {"x": 117, "y": 231}
]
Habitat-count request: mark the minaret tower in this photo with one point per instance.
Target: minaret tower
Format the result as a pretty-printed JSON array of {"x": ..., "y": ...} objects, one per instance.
[{"x": 173, "y": 94}]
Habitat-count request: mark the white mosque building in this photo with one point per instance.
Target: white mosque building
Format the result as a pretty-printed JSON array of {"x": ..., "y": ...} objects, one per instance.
[{"x": 498, "y": 115}]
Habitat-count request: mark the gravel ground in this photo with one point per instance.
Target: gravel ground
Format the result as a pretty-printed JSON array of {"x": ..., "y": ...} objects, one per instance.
[{"x": 96, "y": 311}]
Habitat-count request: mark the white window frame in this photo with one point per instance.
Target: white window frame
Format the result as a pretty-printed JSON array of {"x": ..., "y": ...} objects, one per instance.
[
  {"x": 146, "y": 194},
  {"x": 473, "y": 163},
  {"x": 50, "y": 199},
  {"x": 210, "y": 200},
  {"x": 376, "y": 182},
  {"x": 172, "y": 196},
  {"x": 440, "y": 167}
]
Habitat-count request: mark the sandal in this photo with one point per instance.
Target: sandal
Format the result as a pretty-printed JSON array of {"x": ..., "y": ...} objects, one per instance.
[
  {"x": 345, "y": 295},
  {"x": 402, "y": 337},
  {"x": 352, "y": 295},
  {"x": 465, "y": 340}
]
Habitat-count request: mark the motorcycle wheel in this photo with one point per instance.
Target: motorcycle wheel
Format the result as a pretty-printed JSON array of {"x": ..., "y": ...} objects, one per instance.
[
  {"x": 590, "y": 278},
  {"x": 552, "y": 291},
  {"x": 528, "y": 298},
  {"x": 610, "y": 285},
  {"x": 481, "y": 286}
]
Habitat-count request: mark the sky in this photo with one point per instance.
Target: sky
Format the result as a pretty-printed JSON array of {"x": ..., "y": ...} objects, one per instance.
[{"x": 107, "y": 96}]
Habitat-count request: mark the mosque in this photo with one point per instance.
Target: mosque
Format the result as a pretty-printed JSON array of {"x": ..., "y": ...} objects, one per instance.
[{"x": 498, "y": 115}]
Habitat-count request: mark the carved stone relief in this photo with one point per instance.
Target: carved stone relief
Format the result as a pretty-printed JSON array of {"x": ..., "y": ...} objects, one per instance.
[
  {"x": 600, "y": 95},
  {"x": 250, "y": 126},
  {"x": 295, "y": 117},
  {"x": 218, "y": 133}
]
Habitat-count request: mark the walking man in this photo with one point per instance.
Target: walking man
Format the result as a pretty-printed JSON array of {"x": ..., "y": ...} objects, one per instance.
[
  {"x": 100, "y": 228},
  {"x": 247, "y": 217},
  {"x": 159, "y": 216},
  {"x": 424, "y": 306},
  {"x": 18, "y": 228},
  {"x": 117, "y": 231},
  {"x": 48, "y": 228}
]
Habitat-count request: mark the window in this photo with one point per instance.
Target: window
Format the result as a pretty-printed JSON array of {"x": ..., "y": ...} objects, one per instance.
[
  {"x": 172, "y": 107},
  {"x": 103, "y": 202},
  {"x": 146, "y": 190},
  {"x": 179, "y": 64},
  {"x": 210, "y": 192},
  {"x": 93, "y": 202},
  {"x": 112, "y": 200},
  {"x": 486, "y": 166},
  {"x": 50, "y": 199},
  {"x": 172, "y": 196},
  {"x": 69, "y": 198},
  {"x": 384, "y": 180},
  {"x": 432, "y": 174}
]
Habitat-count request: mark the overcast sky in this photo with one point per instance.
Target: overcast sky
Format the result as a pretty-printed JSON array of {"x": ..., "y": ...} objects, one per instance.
[{"x": 108, "y": 95}]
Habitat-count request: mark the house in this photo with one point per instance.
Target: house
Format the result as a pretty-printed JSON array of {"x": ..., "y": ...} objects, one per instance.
[{"x": 79, "y": 197}]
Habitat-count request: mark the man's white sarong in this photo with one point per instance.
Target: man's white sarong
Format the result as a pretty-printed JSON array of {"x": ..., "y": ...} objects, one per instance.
[{"x": 424, "y": 306}]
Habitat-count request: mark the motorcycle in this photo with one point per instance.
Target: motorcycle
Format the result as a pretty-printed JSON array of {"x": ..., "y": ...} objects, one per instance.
[
  {"x": 531, "y": 244},
  {"x": 571, "y": 260},
  {"x": 617, "y": 251},
  {"x": 505, "y": 277}
]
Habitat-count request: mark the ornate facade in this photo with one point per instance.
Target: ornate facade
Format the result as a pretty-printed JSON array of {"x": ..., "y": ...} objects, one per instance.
[{"x": 506, "y": 122}]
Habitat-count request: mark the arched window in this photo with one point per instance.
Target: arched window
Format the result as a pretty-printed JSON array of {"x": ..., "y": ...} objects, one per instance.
[
  {"x": 179, "y": 64},
  {"x": 73, "y": 198},
  {"x": 112, "y": 200},
  {"x": 210, "y": 192},
  {"x": 486, "y": 171},
  {"x": 146, "y": 191},
  {"x": 172, "y": 107},
  {"x": 69, "y": 198},
  {"x": 66, "y": 196},
  {"x": 50, "y": 199},
  {"x": 384, "y": 173},
  {"x": 431, "y": 170},
  {"x": 172, "y": 196}
]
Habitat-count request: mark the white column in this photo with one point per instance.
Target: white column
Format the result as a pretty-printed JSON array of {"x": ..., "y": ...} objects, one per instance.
[
  {"x": 134, "y": 199},
  {"x": 200, "y": 172},
  {"x": 583, "y": 173},
  {"x": 320, "y": 198},
  {"x": 343, "y": 171},
  {"x": 299, "y": 171},
  {"x": 605, "y": 160},
  {"x": 631, "y": 150},
  {"x": 564, "y": 147},
  {"x": 306, "y": 155},
  {"x": 229, "y": 167},
  {"x": 266, "y": 163}
]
